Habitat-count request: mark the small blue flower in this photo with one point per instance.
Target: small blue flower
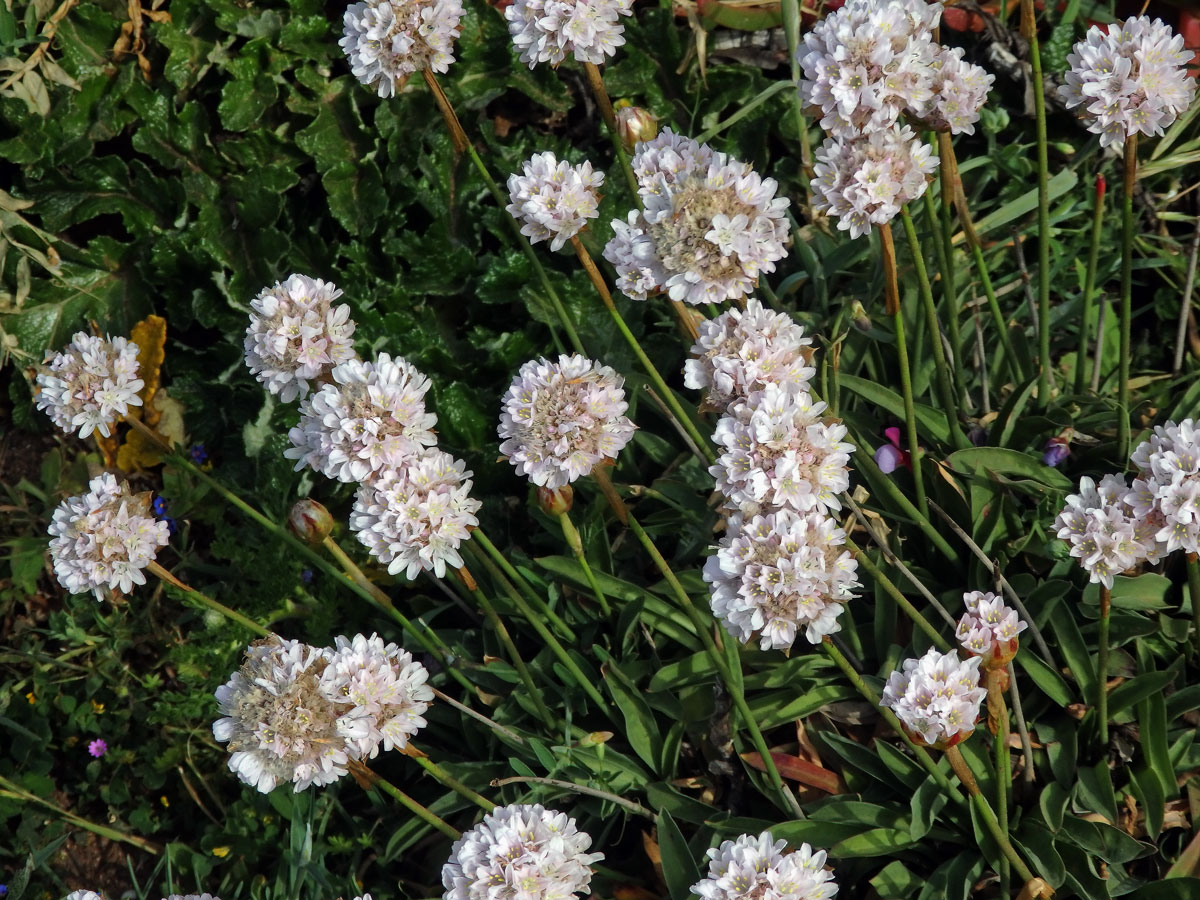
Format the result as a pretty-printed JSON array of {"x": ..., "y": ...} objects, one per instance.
[
  {"x": 199, "y": 454},
  {"x": 159, "y": 506},
  {"x": 306, "y": 575}
]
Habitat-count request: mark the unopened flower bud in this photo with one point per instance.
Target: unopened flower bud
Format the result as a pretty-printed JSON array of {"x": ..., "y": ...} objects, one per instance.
[
  {"x": 310, "y": 521},
  {"x": 1056, "y": 451},
  {"x": 556, "y": 501},
  {"x": 635, "y": 125}
]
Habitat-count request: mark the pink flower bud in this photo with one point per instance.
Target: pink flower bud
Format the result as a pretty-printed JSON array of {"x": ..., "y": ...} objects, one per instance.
[
  {"x": 635, "y": 125},
  {"x": 310, "y": 521},
  {"x": 556, "y": 501}
]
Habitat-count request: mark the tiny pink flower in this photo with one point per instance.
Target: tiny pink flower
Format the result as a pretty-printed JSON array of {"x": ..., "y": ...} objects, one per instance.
[{"x": 98, "y": 748}]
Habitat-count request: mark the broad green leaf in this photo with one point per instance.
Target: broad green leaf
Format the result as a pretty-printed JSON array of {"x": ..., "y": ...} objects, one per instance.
[
  {"x": 679, "y": 867},
  {"x": 930, "y": 421},
  {"x": 1002, "y": 461}
]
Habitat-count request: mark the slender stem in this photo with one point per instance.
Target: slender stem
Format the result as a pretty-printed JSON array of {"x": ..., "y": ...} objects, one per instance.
[
  {"x": 891, "y": 282},
  {"x": 1126, "y": 309},
  {"x": 1014, "y": 693},
  {"x": 596, "y": 82},
  {"x": 999, "y": 709},
  {"x": 575, "y": 542},
  {"x": 205, "y": 600},
  {"x": 942, "y": 226},
  {"x": 368, "y": 779},
  {"x": 606, "y": 295},
  {"x": 12, "y": 790},
  {"x": 1102, "y": 667},
  {"x": 944, "y": 380},
  {"x": 985, "y": 281},
  {"x": 478, "y": 717},
  {"x": 450, "y": 781},
  {"x": 896, "y": 594},
  {"x": 959, "y": 764},
  {"x": 686, "y": 320},
  {"x": 527, "y": 591},
  {"x": 604, "y": 482},
  {"x": 635, "y": 808},
  {"x": 1029, "y": 31},
  {"x": 1193, "y": 576},
  {"x": 1185, "y": 300},
  {"x": 1089, "y": 289}
]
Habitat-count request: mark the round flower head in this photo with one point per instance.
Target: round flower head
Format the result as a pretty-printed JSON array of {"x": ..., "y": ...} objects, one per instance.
[
  {"x": 989, "y": 629},
  {"x": 756, "y": 868},
  {"x": 371, "y": 418},
  {"x": 710, "y": 226},
  {"x": 89, "y": 384},
  {"x": 84, "y": 895},
  {"x": 520, "y": 851},
  {"x": 100, "y": 541},
  {"x": 547, "y": 30},
  {"x": 864, "y": 181},
  {"x": 741, "y": 351},
  {"x": 780, "y": 452},
  {"x": 297, "y": 335},
  {"x": 192, "y": 897},
  {"x": 869, "y": 62},
  {"x": 1129, "y": 78},
  {"x": 387, "y": 41},
  {"x": 778, "y": 573},
  {"x": 553, "y": 200},
  {"x": 936, "y": 697},
  {"x": 416, "y": 516},
  {"x": 1106, "y": 535},
  {"x": 562, "y": 419},
  {"x": 1167, "y": 489},
  {"x": 388, "y": 690},
  {"x": 959, "y": 89}
]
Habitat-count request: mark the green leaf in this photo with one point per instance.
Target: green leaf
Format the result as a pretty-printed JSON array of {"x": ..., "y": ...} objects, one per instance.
[
  {"x": 1049, "y": 681},
  {"x": 1137, "y": 689},
  {"x": 679, "y": 867},
  {"x": 875, "y": 842},
  {"x": 1174, "y": 889},
  {"x": 1147, "y": 591},
  {"x": 1060, "y": 183},
  {"x": 1002, "y": 461},
  {"x": 356, "y": 195},
  {"x": 929, "y": 420},
  {"x": 927, "y": 801},
  {"x": 640, "y": 728},
  {"x": 243, "y": 103},
  {"x": 896, "y": 882}
]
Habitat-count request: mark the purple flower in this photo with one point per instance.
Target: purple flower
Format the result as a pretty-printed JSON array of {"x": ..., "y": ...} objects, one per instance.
[
  {"x": 306, "y": 575},
  {"x": 889, "y": 456},
  {"x": 159, "y": 508},
  {"x": 97, "y": 748},
  {"x": 1056, "y": 451},
  {"x": 198, "y": 454}
]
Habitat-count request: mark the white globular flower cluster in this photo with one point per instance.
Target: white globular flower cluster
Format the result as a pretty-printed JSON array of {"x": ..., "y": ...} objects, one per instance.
[
  {"x": 776, "y": 574},
  {"x": 553, "y": 200},
  {"x": 936, "y": 697},
  {"x": 370, "y": 418},
  {"x": 710, "y": 226},
  {"x": 741, "y": 351},
  {"x": 297, "y": 335},
  {"x": 546, "y": 31},
  {"x": 1128, "y": 78},
  {"x": 960, "y": 89},
  {"x": 520, "y": 851},
  {"x": 1107, "y": 531},
  {"x": 89, "y": 384},
  {"x": 298, "y": 714},
  {"x": 989, "y": 628},
  {"x": 864, "y": 181},
  {"x": 84, "y": 895},
  {"x": 1167, "y": 489},
  {"x": 755, "y": 867},
  {"x": 780, "y": 452},
  {"x": 192, "y": 897},
  {"x": 100, "y": 541},
  {"x": 415, "y": 517},
  {"x": 559, "y": 420},
  {"x": 387, "y": 41}
]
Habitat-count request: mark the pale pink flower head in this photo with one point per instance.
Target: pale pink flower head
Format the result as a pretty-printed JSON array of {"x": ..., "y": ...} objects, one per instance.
[
  {"x": 960, "y": 89},
  {"x": 780, "y": 573},
  {"x": 553, "y": 200},
  {"x": 936, "y": 698},
  {"x": 371, "y": 418},
  {"x": 1167, "y": 489},
  {"x": 710, "y": 226},
  {"x": 559, "y": 420},
  {"x": 297, "y": 335},
  {"x": 101, "y": 541},
  {"x": 89, "y": 384},
  {"x": 414, "y": 517},
  {"x": 387, "y": 41},
  {"x": 1128, "y": 78},
  {"x": 1107, "y": 532},
  {"x": 547, "y": 31},
  {"x": 741, "y": 351},
  {"x": 756, "y": 867},
  {"x": 989, "y": 629}
]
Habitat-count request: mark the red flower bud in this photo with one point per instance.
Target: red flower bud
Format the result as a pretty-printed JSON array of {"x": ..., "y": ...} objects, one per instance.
[
  {"x": 1101, "y": 187},
  {"x": 555, "y": 501},
  {"x": 310, "y": 521}
]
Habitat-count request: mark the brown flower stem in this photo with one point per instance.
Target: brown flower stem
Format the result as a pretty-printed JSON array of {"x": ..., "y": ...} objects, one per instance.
[
  {"x": 635, "y": 808},
  {"x": 596, "y": 83},
  {"x": 601, "y": 286},
  {"x": 458, "y": 136},
  {"x": 1193, "y": 576},
  {"x": 531, "y": 596},
  {"x": 1126, "y": 309},
  {"x": 203, "y": 599},
  {"x": 448, "y": 780},
  {"x": 984, "y": 809},
  {"x": 891, "y": 284},
  {"x": 604, "y": 482},
  {"x": 685, "y": 320},
  {"x": 896, "y": 594},
  {"x": 575, "y": 542},
  {"x": 1102, "y": 667},
  {"x": 368, "y": 779},
  {"x": 998, "y": 711}
]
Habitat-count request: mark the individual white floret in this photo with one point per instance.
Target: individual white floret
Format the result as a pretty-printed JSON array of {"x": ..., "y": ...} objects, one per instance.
[
  {"x": 780, "y": 573},
  {"x": 559, "y": 420},
  {"x": 779, "y": 451},
  {"x": 371, "y": 417},
  {"x": 546, "y": 31},
  {"x": 936, "y": 697},
  {"x": 89, "y": 384},
  {"x": 387, "y": 41},
  {"x": 102, "y": 540},
  {"x": 414, "y": 517},
  {"x": 296, "y": 335},
  {"x": 1128, "y": 78},
  {"x": 710, "y": 226},
  {"x": 1106, "y": 533},
  {"x": 741, "y": 351},
  {"x": 989, "y": 629},
  {"x": 520, "y": 852},
  {"x": 553, "y": 200},
  {"x": 755, "y": 867}
]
